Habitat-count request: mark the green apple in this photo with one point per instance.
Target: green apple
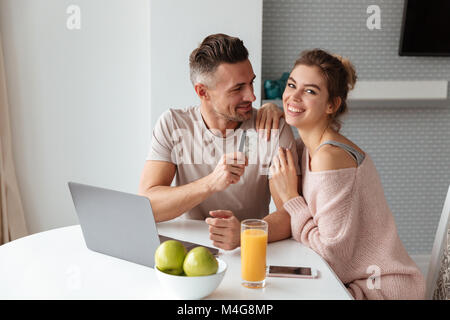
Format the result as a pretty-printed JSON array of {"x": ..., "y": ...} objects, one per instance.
[
  {"x": 169, "y": 257},
  {"x": 200, "y": 262}
]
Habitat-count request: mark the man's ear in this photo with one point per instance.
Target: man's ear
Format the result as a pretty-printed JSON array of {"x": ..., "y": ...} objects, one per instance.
[
  {"x": 334, "y": 105},
  {"x": 202, "y": 91}
]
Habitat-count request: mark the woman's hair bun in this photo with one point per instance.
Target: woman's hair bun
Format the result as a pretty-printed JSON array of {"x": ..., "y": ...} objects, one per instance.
[{"x": 351, "y": 72}]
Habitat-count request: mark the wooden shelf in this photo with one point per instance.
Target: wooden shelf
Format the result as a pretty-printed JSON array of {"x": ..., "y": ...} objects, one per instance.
[{"x": 393, "y": 94}]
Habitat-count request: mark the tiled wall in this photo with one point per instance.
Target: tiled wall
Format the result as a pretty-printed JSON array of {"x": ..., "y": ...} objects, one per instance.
[{"x": 410, "y": 146}]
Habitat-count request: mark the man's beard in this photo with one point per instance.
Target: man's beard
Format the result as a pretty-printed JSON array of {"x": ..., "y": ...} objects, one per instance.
[{"x": 237, "y": 117}]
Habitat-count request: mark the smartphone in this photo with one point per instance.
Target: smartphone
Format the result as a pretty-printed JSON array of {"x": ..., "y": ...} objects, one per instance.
[{"x": 292, "y": 272}]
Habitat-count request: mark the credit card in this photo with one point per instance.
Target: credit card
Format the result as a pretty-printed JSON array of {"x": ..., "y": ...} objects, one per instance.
[{"x": 242, "y": 143}]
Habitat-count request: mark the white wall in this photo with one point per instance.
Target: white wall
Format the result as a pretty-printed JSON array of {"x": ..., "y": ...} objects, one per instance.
[{"x": 80, "y": 100}]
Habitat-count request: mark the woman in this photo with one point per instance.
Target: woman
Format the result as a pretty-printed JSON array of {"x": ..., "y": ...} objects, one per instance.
[{"x": 339, "y": 209}]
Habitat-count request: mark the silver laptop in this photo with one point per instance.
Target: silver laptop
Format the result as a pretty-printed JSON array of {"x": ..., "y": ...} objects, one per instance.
[{"x": 119, "y": 224}]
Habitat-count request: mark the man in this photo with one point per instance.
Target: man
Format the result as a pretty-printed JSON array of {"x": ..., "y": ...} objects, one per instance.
[{"x": 199, "y": 145}]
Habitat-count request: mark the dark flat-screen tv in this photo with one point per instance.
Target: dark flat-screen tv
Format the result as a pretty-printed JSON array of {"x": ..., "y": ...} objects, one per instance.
[{"x": 426, "y": 28}]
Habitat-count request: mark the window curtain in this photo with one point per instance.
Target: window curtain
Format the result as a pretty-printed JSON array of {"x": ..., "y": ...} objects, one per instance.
[{"x": 12, "y": 218}]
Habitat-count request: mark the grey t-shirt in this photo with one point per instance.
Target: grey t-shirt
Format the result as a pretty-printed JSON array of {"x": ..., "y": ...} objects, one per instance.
[{"x": 182, "y": 138}]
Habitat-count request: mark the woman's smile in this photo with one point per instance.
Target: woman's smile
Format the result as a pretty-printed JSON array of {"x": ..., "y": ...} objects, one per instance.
[{"x": 294, "y": 110}]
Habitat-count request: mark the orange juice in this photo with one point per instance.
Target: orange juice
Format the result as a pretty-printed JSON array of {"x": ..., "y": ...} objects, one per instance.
[{"x": 253, "y": 254}]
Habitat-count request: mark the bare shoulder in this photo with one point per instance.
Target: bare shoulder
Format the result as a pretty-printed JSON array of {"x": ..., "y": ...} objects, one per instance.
[{"x": 330, "y": 157}]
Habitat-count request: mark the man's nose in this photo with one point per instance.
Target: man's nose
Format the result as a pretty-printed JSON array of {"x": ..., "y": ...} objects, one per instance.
[{"x": 249, "y": 95}]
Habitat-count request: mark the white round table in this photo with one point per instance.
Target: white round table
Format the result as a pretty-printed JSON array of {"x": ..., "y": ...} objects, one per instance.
[{"x": 56, "y": 264}]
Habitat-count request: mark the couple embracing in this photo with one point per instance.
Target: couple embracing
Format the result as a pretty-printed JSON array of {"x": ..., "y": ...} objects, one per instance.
[{"x": 326, "y": 189}]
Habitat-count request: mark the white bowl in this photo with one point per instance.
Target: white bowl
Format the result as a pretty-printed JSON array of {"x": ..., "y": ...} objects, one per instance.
[{"x": 191, "y": 288}]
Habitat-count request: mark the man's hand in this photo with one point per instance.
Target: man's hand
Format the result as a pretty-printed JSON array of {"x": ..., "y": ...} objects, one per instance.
[
  {"x": 228, "y": 171},
  {"x": 224, "y": 229}
]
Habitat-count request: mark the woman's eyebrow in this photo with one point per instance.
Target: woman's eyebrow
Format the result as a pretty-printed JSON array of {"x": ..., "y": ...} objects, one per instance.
[
  {"x": 306, "y": 84},
  {"x": 312, "y": 85}
]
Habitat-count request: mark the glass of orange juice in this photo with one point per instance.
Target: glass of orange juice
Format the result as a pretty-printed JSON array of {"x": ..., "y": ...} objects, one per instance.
[{"x": 253, "y": 252}]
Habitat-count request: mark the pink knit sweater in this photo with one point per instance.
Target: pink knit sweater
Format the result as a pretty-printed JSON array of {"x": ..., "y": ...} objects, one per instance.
[{"x": 343, "y": 215}]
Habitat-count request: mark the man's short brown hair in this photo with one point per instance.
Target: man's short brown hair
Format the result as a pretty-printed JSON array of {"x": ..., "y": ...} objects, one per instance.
[{"x": 214, "y": 50}]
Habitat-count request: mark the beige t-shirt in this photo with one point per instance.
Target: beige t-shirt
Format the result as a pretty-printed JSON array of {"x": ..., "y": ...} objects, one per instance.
[{"x": 182, "y": 138}]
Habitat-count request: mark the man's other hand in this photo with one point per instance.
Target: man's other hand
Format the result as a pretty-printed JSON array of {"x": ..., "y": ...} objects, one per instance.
[
  {"x": 228, "y": 171},
  {"x": 224, "y": 229}
]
